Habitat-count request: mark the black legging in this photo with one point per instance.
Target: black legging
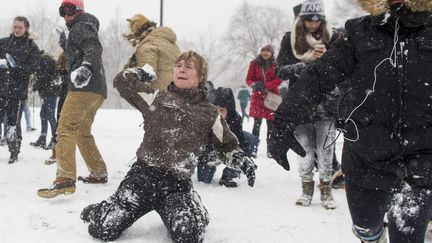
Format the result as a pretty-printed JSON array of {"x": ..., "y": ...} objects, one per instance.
[
  {"x": 257, "y": 126},
  {"x": 409, "y": 209}
]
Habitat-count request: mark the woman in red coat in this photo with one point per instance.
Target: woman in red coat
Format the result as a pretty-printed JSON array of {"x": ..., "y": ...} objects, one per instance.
[{"x": 262, "y": 79}]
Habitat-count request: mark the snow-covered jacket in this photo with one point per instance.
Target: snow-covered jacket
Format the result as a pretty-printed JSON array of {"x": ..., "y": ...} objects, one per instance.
[
  {"x": 391, "y": 82},
  {"x": 14, "y": 82},
  {"x": 257, "y": 73},
  {"x": 158, "y": 49},
  {"x": 177, "y": 123},
  {"x": 83, "y": 46}
]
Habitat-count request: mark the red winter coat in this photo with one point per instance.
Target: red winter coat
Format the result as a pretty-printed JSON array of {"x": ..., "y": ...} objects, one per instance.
[{"x": 271, "y": 83}]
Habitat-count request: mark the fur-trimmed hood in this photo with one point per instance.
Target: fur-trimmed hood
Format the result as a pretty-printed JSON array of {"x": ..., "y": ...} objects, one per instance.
[{"x": 378, "y": 7}]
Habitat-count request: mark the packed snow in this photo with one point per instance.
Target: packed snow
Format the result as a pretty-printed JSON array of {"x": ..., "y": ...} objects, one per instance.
[{"x": 265, "y": 213}]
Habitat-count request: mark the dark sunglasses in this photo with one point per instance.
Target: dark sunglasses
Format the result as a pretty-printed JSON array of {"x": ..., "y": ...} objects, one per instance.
[{"x": 68, "y": 10}]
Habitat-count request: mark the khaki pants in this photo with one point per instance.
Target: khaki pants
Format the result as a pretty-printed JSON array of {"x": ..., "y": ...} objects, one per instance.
[{"x": 74, "y": 129}]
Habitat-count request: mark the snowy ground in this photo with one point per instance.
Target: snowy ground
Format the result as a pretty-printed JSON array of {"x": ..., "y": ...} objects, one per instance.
[{"x": 263, "y": 214}]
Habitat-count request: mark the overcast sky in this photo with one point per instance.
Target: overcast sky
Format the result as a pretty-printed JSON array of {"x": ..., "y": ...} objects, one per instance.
[{"x": 186, "y": 17}]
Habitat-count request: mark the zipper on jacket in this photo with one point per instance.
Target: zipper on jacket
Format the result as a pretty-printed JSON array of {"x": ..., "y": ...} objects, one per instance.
[{"x": 401, "y": 66}]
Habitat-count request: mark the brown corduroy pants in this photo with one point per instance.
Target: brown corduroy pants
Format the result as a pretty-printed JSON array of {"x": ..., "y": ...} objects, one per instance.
[{"x": 74, "y": 129}]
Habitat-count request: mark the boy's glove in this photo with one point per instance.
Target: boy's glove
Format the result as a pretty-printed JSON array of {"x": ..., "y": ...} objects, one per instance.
[
  {"x": 145, "y": 73},
  {"x": 258, "y": 86},
  {"x": 81, "y": 76},
  {"x": 246, "y": 165},
  {"x": 280, "y": 142}
]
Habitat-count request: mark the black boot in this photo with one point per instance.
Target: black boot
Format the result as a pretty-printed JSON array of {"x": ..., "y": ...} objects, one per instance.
[
  {"x": 13, "y": 157},
  {"x": 51, "y": 144},
  {"x": 40, "y": 143},
  {"x": 86, "y": 212}
]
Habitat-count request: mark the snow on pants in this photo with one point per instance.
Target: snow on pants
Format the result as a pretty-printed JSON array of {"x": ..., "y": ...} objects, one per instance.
[
  {"x": 314, "y": 138},
  {"x": 408, "y": 209},
  {"x": 12, "y": 108},
  {"x": 145, "y": 189},
  {"x": 74, "y": 129}
]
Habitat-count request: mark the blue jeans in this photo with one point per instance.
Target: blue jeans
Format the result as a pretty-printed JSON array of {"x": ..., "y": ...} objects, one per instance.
[
  {"x": 27, "y": 114},
  {"x": 47, "y": 114}
]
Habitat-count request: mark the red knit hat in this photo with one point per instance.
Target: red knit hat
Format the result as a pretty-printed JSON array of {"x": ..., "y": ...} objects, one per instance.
[{"x": 79, "y": 4}]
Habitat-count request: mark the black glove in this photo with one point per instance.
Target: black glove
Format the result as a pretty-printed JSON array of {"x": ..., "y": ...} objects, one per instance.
[
  {"x": 280, "y": 141},
  {"x": 145, "y": 73},
  {"x": 258, "y": 86},
  {"x": 246, "y": 165},
  {"x": 81, "y": 76}
]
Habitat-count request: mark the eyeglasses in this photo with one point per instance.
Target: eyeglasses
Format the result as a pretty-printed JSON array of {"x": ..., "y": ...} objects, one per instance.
[{"x": 67, "y": 10}]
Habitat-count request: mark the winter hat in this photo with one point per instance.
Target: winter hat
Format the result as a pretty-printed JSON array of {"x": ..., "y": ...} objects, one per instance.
[
  {"x": 312, "y": 10},
  {"x": 79, "y": 4},
  {"x": 139, "y": 23},
  {"x": 269, "y": 48}
]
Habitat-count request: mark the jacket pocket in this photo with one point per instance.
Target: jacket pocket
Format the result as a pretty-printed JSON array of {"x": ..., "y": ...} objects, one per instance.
[{"x": 425, "y": 49}]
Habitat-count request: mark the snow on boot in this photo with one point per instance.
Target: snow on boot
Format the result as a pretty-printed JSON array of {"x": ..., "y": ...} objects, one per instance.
[
  {"x": 227, "y": 182},
  {"x": 66, "y": 187},
  {"x": 40, "y": 143},
  {"x": 308, "y": 190},
  {"x": 326, "y": 195},
  {"x": 13, "y": 157},
  {"x": 50, "y": 161},
  {"x": 86, "y": 212}
]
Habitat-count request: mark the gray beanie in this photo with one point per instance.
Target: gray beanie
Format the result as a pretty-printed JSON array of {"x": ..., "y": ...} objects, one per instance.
[{"x": 313, "y": 10}]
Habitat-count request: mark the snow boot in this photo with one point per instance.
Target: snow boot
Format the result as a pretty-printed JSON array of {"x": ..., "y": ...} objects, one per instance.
[
  {"x": 326, "y": 195},
  {"x": 51, "y": 144},
  {"x": 66, "y": 187},
  {"x": 308, "y": 190},
  {"x": 227, "y": 182},
  {"x": 381, "y": 239},
  {"x": 13, "y": 157},
  {"x": 40, "y": 143},
  {"x": 93, "y": 179},
  {"x": 86, "y": 212},
  {"x": 338, "y": 180}
]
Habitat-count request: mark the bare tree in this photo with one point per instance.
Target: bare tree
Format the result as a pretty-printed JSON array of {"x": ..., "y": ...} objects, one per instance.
[
  {"x": 251, "y": 28},
  {"x": 344, "y": 10},
  {"x": 116, "y": 53}
]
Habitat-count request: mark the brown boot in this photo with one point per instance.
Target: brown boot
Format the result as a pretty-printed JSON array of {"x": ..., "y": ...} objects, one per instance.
[
  {"x": 308, "y": 190},
  {"x": 52, "y": 159},
  {"x": 326, "y": 195},
  {"x": 93, "y": 179},
  {"x": 65, "y": 187}
]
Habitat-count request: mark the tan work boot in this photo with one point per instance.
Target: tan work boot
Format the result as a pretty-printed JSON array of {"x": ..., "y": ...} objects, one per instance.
[
  {"x": 308, "y": 190},
  {"x": 66, "y": 187},
  {"x": 327, "y": 200}
]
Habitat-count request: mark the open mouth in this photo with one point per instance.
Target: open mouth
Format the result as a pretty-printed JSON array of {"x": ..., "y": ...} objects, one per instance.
[{"x": 181, "y": 78}]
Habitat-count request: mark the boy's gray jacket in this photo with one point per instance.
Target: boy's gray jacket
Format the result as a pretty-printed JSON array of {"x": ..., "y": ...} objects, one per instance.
[{"x": 177, "y": 124}]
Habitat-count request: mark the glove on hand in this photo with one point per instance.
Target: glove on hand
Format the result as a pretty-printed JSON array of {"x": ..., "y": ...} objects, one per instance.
[
  {"x": 258, "y": 86},
  {"x": 280, "y": 142},
  {"x": 8, "y": 62},
  {"x": 145, "y": 73},
  {"x": 81, "y": 76},
  {"x": 246, "y": 165}
]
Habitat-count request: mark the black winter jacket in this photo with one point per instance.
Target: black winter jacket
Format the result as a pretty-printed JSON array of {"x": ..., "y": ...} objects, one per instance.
[
  {"x": 83, "y": 45},
  {"x": 289, "y": 68},
  {"x": 14, "y": 81},
  {"x": 46, "y": 80},
  {"x": 393, "y": 114}
]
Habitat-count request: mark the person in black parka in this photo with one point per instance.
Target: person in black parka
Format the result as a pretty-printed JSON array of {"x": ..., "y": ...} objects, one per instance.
[
  {"x": 47, "y": 83},
  {"x": 18, "y": 53},
  {"x": 386, "y": 57}
]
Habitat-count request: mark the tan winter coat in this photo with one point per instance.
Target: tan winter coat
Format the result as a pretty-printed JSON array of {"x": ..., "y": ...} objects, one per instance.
[
  {"x": 158, "y": 49},
  {"x": 378, "y": 7},
  {"x": 177, "y": 124}
]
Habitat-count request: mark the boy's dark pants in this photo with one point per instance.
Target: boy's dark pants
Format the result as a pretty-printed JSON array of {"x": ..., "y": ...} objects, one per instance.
[{"x": 145, "y": 189}]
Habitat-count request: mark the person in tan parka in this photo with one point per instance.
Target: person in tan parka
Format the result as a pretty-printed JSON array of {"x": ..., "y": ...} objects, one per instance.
[{"x": 155, "y": 46}]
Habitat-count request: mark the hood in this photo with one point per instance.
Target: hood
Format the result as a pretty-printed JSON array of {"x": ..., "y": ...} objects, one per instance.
[
  {"x": 85, "y": 18},
  {"x": 162, "y": 32},
  {"x": 378, "y": 7}
]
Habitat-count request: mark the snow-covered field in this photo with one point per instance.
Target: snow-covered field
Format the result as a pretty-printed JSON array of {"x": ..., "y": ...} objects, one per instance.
[{"x": 263, "y": 214}]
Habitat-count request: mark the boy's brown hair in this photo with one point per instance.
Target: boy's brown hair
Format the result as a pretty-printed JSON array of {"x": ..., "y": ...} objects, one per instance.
[{"x": 199, "y": 61}]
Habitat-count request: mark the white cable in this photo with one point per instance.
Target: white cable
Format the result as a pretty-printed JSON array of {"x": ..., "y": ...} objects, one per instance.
[{"x": 393, "y": 61}]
